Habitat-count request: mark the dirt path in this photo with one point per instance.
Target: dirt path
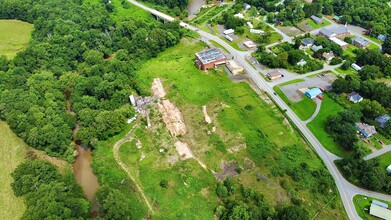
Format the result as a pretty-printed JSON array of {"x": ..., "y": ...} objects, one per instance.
[{"x": 129, "y": 137}]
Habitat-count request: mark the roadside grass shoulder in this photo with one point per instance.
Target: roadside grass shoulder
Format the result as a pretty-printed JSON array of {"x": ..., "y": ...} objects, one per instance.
[
  {"x": 12, "y": 153},
  {"x": 362, "y": 205},
  {"x": 214, "y": 43},
  {"x": 14, "y": 37},
  {"x": 318, "y": 126}
]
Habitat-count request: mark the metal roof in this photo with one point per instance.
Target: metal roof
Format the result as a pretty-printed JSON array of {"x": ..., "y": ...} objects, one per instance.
[
  {"x": 378, "y": 203},
  {"x": 380, "y": 212},
  {"x": 360, "y": 41},
  {"x": 209, "y": 56}
]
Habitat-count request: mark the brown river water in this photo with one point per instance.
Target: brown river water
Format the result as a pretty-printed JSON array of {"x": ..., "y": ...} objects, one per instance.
[{"x": 194, "y": 6}]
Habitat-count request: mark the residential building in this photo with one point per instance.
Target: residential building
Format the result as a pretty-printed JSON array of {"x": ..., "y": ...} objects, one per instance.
[
  {"x": 302, "y": 62},
  {"x": 365, "y": 129},
  {"x": 208, "y": 59},
  {"x": 234, "y": 67},
  {"x": 316, "y": 48},
  {"x": 229, "y": 31},
  {"x": 382, "y": 37},
  {"x": 229, "y": 38},
  {"x": 381, "y": 204},
  {"x": 307, "y": 43},
  {"x": 340, "y": 43},
  {"x": 389, "y": 168},
  {"x": 328, "y": 56},
  {"x": 313, "y": 93},
  {"x": 338, "y": 32},
  {"x": 246, "y": 6},
  {"x": 249, "y": 44},
  {"x": 360, "y": 42},
  {"x": 250, "y": 25},
  {"x": 382, "y": 120},
  {"x": 356, "y": 67},
  {"x": 274, "y": 75},
  {"x": 316, "y": 19},
  {"x": 380, "y": 212},
  {"x": 256, "y": 31},
  {"x": 354, "y": 97},
  {"x": 239, "y": 15}
]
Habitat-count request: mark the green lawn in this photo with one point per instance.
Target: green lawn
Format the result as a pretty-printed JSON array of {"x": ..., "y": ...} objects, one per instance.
[
  {"x": 350, "y": 51},
  {"x": 129, "y": 11},
  {"x": 385, "y": 160},
  {"x": 241, "y": 118},
  {"x": 373, "y": 47},
  {"x": 373, "y": 39},
  {"x": 14, "y": 37},
  {"x": 362, "y": 205},
  {"x": 12, "y": 153},
  {"x": 317, "y": 126},
  {"x": 316, "y": 26},
  {"x": 345, "y": 72},
  {"x": 218, "y": 45}
]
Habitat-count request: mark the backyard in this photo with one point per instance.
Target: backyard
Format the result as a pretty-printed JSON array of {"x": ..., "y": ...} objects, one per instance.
[{"x": 14, "y": 37}]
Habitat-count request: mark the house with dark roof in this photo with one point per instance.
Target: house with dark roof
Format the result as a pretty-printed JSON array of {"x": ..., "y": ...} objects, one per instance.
[
  {"x": 360, "y": 42},
  {"x": 316, "y": 19},
  {"x": 307, "y": 43},
  {"x": 338, "y": 32},
  {"x": 365, "y": 129},
  {"x": 354, "y": 97},
  {"x": 382, "y": 120},
  {"x": 246, "y": 6},
  {"x": 382, "y": 37},
  {"x": 208, "y": 59}
]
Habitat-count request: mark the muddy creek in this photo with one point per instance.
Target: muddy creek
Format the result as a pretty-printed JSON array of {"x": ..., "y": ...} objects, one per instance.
[{"x": 194, "y": 6}]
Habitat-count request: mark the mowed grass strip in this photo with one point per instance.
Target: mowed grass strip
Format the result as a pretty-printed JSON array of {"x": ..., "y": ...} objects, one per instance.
[
  {"x": 14, "y": 37},
  {"x": 12, "y": 153},
  {"x": 318, "y": 126}
]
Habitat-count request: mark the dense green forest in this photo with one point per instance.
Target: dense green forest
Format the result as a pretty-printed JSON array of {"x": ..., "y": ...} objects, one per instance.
[
  {"x": 77, "y": 52},
  {"x": 47, "y": 193}
]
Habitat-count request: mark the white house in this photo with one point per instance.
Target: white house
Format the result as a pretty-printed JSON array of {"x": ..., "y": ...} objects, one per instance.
[
  {"x": 229, "y": 31},
  {"x": 250, "y": 25}
]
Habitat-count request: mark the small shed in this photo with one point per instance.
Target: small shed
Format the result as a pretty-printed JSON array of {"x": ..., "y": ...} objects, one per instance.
[
  {"x": 316, "y": 19},
  {"x": 313, "y": 93},
  {"x": 382, "y": 120}
]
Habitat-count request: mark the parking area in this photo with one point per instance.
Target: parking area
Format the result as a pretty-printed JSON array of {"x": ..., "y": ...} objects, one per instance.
[{"x": 292, "y": 90}]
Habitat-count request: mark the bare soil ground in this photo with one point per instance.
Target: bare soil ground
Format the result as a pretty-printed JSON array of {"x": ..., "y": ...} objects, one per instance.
[
  {"x": 290, "y": 30},
  {"x": 157, "y": 89}
]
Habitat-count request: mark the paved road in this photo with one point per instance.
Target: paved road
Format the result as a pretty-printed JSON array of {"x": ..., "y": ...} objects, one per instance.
[
  {"x": 377, "y": 153},
  {"x": 346, "y": 189}
]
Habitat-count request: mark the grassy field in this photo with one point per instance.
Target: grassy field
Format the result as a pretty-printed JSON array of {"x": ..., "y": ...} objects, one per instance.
[
  {"x": 362, "y": 204},
  {"x": 350, "y": 51},
  {"x": 12, "y": 153},
  {"x": 317, "y": 126},
  {"x": 14, "y": 37},
  {"x": 250, "y": 132},
  {"x": 373, "y": 39}
]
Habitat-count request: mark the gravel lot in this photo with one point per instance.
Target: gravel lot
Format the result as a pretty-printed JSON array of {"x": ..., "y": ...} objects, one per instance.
[{"x": 291, "y": 90}]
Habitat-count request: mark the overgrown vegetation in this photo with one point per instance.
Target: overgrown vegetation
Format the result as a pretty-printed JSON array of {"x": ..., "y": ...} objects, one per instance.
[{"x": 47, "y": 193}]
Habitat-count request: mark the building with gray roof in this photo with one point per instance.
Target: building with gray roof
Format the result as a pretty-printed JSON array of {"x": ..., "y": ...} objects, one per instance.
[{"x": 208, "y": 59}]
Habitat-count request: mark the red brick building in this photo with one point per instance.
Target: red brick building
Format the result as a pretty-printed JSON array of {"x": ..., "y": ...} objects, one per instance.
[{"x": 208, "y": 59}]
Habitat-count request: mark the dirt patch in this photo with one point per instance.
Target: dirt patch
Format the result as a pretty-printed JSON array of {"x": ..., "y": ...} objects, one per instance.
[
  {"x": 172, "y": 117},
  {"x": 304, "y": 26},
  {"x": 228, "y": 169},
  {"x": 290, "y": 30},
  {"x": 207, "y": 118},
  {"x": 237, "y": 148},
  {"x": 157, "y": 88},
  {"x": 183, "y": 150}
]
